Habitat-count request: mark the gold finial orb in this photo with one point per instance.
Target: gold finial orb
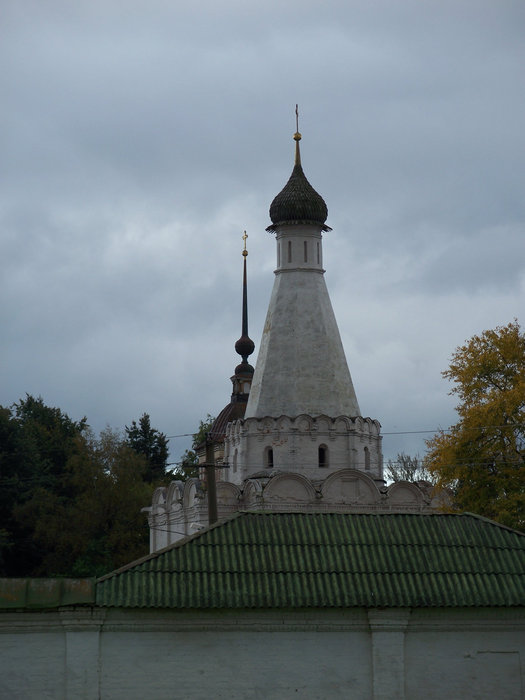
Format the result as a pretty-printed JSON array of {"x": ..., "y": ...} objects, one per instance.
[
  {"x": 244, "y": 237},
  {"x": 297, "y": 136}
]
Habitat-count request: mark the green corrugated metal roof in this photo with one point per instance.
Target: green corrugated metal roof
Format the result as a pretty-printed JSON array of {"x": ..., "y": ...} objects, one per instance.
[{"x": 298, "y": 560}]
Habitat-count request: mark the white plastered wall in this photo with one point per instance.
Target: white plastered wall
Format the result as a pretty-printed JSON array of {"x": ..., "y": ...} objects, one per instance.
[{"x": 393, "y": 654}]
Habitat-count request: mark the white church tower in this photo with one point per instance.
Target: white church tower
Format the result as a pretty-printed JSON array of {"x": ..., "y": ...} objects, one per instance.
[
  {"x": 302, "y": 413},
  {"x": 292, "y": 438}
]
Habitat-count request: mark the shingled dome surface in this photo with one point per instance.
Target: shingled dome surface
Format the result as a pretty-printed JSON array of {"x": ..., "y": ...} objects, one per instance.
[{"x": 298, "y": 203}]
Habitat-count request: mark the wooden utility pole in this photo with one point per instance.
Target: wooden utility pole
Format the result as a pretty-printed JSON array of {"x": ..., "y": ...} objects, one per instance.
[{"x": 210, "y": 479}]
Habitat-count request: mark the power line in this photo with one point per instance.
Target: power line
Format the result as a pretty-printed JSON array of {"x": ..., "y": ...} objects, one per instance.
[
  {"x": 463, "y": 427},
  {"x": 360, "y": 466},
  {"x": 169, "y": 530},
  {"x": 397, "y": 432}
]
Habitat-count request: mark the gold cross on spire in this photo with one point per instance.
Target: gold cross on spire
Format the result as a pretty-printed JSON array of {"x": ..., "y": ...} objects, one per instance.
[
  {"x": 244, "y": 237},
  {"x": 297, "y": 137}
]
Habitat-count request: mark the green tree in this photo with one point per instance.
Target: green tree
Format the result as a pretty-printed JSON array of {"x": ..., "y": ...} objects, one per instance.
[
  {"x": 482, "y": 457},
  {"x": 406, "y": 468},
  {"x": 36, "y": 442},
  {"x": 99, "y": 526},
  {"x": 151, "y": 443},
  {"x": 48, "y": 439},
  {"x": 14, "y": 479},
  {"x": 187, "y": 466},
  {"x": 70, "y": 502}
]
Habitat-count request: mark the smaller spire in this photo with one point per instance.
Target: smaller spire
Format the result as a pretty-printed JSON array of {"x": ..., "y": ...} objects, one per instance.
[
  {"x": 243, "y": 373},
  {"x": 245, "y": 345}
]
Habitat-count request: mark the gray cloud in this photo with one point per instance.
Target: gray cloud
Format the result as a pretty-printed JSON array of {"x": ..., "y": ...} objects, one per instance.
[{"x": 139, "y": 141}]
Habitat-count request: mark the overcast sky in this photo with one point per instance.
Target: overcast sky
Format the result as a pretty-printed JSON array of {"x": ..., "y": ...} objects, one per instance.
[{"x": 139, "y": 139}]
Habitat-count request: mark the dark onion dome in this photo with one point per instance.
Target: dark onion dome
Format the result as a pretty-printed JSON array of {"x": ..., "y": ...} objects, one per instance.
[{"x": 298, "y": 202}]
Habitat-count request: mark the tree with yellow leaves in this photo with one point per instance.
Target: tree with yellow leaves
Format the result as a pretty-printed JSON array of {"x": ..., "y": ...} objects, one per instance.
[{"x": 482, "y": 457}]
